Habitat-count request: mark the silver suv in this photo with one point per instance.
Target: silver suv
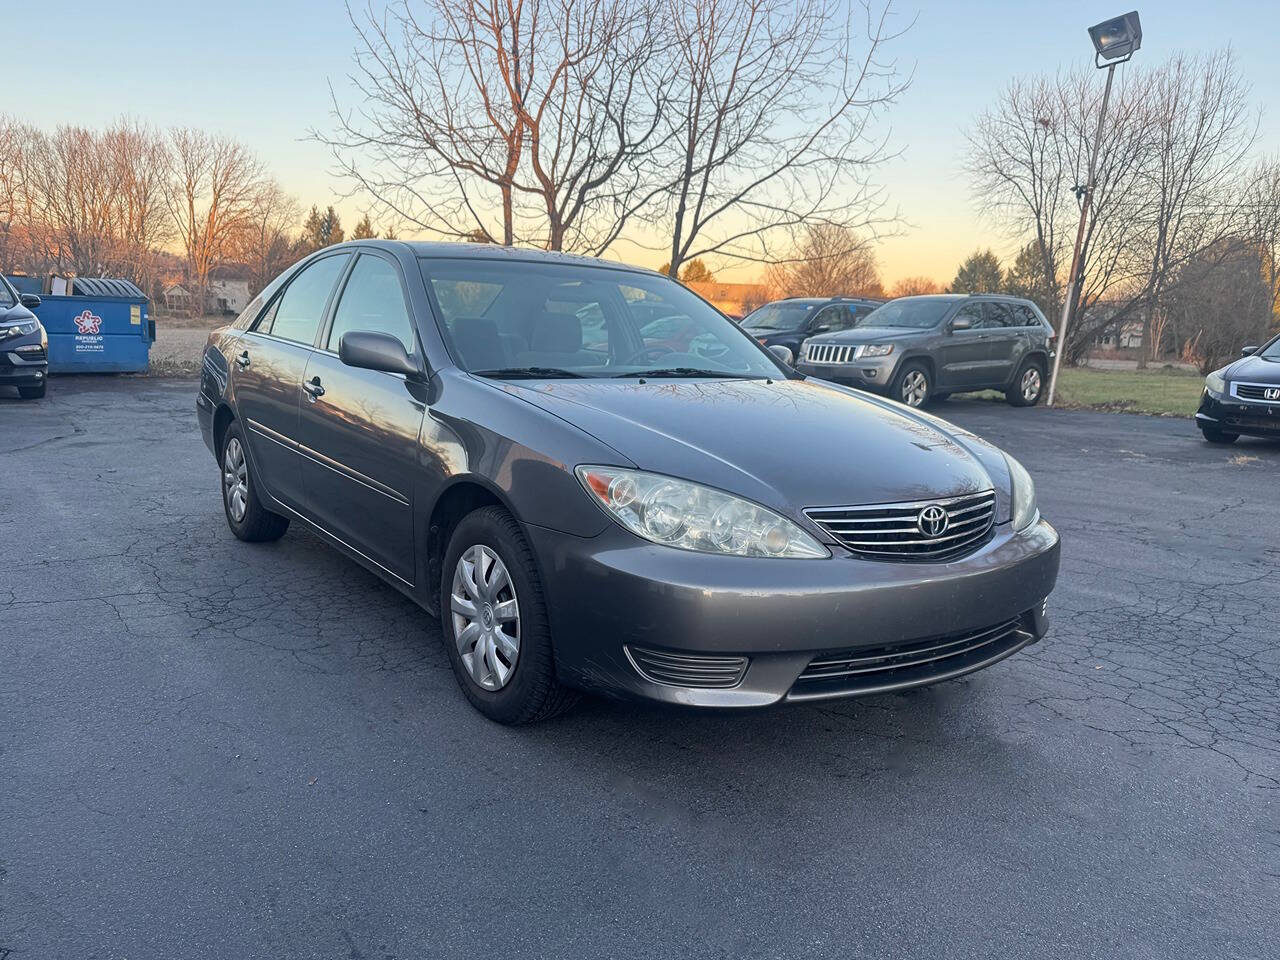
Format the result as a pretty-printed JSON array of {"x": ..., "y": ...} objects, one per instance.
[{"x": 918, "y": 349}]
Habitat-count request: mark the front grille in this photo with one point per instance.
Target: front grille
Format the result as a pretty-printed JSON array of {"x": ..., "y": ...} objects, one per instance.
[
  {"x": 875, "y": 669},
  {"x": 830, "y": 353},
  {"x": 893, "y": 531},
  {"x": 687, "y": 670},
  {"x": 1255, "y": 392}
]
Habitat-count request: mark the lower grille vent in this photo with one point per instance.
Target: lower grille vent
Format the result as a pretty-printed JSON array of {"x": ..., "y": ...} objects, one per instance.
[{"x": 686, "y": 670}]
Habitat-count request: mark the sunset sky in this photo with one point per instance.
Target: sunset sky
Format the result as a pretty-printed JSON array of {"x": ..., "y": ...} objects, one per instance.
[{"x": 259, "y": 71}]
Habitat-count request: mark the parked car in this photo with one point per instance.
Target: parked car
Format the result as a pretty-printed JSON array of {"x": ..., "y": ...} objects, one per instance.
[
  {"x": 24, "y": 344},
  {"x": 786, "y": 323},
  {"x": 1243, "y": 397},
  {"x": 917, "y": 349},
  {"x": 642, "y": 522}
]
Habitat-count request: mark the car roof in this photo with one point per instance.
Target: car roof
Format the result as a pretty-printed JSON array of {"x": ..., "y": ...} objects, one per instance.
[{"x": 458, "y": 250}]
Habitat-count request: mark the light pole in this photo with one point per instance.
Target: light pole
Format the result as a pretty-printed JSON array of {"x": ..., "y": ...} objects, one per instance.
[{"x": 1114, "y": 43}]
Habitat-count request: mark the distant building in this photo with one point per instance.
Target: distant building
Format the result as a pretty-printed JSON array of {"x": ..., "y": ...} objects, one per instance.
[
  {"x": 177, "y": 298},
  {"x": 228, "y": 295},
  {"x": 736, "y": 299}
]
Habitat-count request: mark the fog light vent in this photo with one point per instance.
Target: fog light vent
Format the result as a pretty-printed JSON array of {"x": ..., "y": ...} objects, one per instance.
[{"x": 687, "y": 670}]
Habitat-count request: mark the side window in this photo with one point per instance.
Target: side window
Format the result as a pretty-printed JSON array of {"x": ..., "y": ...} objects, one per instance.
[
  {"x": 372, "y": 300},
  {"x": 973, "y": 313},
  {"x": 1026, "y": 316},
  {"x": 999, "y": 315},
  {"x": 298, "y": 312},
  {"x": 841, "y": 318},
  {"x": 829, "y": 317}
]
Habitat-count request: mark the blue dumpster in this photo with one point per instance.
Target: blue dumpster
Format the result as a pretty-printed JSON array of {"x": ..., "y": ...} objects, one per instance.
[{"x": 101, "y": 327}]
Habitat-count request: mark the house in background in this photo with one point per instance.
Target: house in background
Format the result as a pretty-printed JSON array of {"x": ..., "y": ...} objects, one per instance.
[
  {"x": 228, "y": 295},
  {"x": 735, "y": 299},
  {"x": 177, "y": 299}
]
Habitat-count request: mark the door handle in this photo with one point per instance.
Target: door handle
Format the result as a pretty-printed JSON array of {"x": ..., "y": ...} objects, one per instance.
[
  {"x": 243, "y": 360},
  {"x": 313, "y": 388}
]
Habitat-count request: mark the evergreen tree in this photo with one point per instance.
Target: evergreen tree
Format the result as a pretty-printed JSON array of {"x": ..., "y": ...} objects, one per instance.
[{"x": 980, "y": 273}]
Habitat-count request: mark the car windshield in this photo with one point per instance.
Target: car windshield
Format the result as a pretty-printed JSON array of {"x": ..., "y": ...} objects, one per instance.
[
  {"x": 915, "y": 314},
  {"x": 7, "y": 299},
  {"x": 1272, "y": 350},
  {"x": 522, "y": 319},
  {"x": 780, "y": 316}
]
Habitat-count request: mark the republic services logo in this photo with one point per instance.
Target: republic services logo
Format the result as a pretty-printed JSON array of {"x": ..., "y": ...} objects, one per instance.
[{"x": 88, "y": 323}]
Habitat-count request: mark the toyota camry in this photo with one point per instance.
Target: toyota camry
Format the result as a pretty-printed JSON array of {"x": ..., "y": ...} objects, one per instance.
[{"x": 590, "y": 504}]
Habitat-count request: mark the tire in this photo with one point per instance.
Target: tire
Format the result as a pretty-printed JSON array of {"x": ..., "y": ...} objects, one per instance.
[
  {"x": 913, "y": 385},
  {"x": 511, "y": 683},
  {"x": 1028, "y": 384},
  {"x": 33, "y": 393},
  {"x": 246, "y": 516},
  {"x": 1218, "y": 436}
]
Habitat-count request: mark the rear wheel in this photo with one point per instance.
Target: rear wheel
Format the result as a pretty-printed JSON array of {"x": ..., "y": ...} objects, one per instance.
[
  {"x": 1028, "y": 385},
  {"x": 913, "y": 385},
  {"x": 494, "y": 622},
  {"x": 33, "y": 393},
  {"x": 1214, "y": 435},
  {"x": 246, "y": 516}
]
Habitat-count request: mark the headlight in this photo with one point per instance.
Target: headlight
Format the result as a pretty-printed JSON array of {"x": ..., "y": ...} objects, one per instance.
[
  {"x": 689, "y": 516},
  {"x": 20, "y": 329},
  {"x": 1216, "y": 383},
  {"x": 875, "y": 350},
  {"x": 1023, "y": 492}
]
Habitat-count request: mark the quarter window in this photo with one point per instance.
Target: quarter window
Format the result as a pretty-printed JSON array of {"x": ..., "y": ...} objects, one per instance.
[
  {"x": 372, "y": 300},
  {"x": 299, "y": 311},
  {"x": 1026, "y": 316}
]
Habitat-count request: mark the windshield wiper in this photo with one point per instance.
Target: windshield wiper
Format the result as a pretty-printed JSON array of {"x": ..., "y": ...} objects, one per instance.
[
  {"x": 688, "y": 372},
  {"x": 529, "y": 373}
]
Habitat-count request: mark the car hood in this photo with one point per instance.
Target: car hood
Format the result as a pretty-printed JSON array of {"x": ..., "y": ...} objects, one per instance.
[
  {"x": 788, "y": 444},
  {"x": 869, "y": 335},
  {"x": 1255, "y": 370},
  {"x": 15, "y": 313}
]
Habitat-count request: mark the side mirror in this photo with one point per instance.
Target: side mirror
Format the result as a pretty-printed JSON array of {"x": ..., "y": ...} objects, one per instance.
[
  {"x": 961, "y": 323},
  {"x": 1249, "y": 351},
  {"x": 783, "y": 353},
  {"x": 377, "y": 351},
  {"x": 29, "y": 300}
]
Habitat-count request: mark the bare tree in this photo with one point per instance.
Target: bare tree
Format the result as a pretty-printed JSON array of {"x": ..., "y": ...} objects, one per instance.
[
  {"x": 1198, "y": 132},
  {"x": 1260, "y": 224},
  {"x": 914, "y": 287},
  {"x": 19, "y": 230},
  {"x": 832, "y": 261},
  {"x": 265, "y": 242},
  {"x": 772, "y": 124},
  {"x": 77, "y": 184},
  {"x": 504, "y": 120},
  {"x": 213, "y": 187},
  {"x": 140, "y": 158}
]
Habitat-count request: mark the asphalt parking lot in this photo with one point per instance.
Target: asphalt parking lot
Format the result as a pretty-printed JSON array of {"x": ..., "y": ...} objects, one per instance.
[{"x": 212, "y": 749}]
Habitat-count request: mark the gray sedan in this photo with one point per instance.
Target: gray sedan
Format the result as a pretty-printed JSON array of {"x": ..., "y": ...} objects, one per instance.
[{"x": 590, "y": 506}]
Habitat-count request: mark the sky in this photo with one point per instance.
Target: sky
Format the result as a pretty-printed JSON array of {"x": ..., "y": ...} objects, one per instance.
[{"x": 260, "y": 72}]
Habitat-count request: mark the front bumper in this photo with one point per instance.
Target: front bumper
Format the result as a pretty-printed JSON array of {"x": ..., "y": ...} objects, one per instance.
[
  {"x": 23, "y": 367},
  {"x": 1229, "y": 415},
  {"x": 614, "y": 599},
  {"x": 874, "y": 374}
]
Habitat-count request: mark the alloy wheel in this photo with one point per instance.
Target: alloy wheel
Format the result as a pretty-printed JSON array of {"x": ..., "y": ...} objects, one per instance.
[
  {"x": 1031, "y": 384},
  {"x": 235, "y": 480},
  {"x": 915, "y": 388},
  {"x": 486, "y": 617}
]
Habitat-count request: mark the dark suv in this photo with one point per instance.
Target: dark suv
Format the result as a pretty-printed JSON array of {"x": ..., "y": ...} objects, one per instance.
[
  {"x": 788, "y": 323},
  {"x": 24, "y": 345},
  {"x": 918, "y": 349}
]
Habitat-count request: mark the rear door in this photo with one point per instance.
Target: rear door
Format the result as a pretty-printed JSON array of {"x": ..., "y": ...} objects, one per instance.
[
  {"x": 962, "y": 354},
  {"x": 267, "y": 365},
  {"x": 359, "y": 429},
  {"x": 1005, "y": 342}
]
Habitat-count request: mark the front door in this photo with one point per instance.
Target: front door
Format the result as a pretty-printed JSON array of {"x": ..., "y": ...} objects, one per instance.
[
  {"x": 962, "y": 354},
  {"x": 267, "y": 365},
  {"x": 359, "y": 429},
  {"x": 1003, "y": 344}
]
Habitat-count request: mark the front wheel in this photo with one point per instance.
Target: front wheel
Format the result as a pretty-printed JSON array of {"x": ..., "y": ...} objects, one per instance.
[
  {"x": 246, "y": 516},
  {"x": 913, "y": 385},
  {"x": 1028, "y": 385},
  {"x": 494, "y": 622},
  {"x": 1214, "y": 435}
]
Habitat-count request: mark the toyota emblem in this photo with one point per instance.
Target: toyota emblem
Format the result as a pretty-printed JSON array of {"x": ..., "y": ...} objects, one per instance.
[
  {"x": 1272, "y": 393},
  {"x": 933, "y": 521}
]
